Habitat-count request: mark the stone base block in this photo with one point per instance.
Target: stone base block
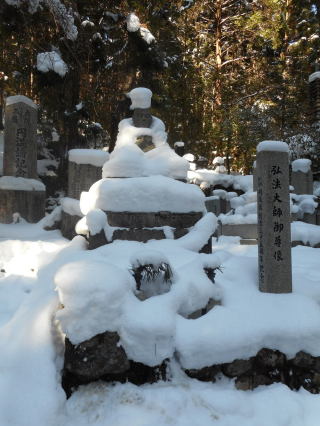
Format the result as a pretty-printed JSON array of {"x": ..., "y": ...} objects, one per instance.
[
  {"x": 245, "y": 231},
  {"x": 68, "y": 224},
  {"x": 153, "y": 220},
  {"x": 30, "y": 205},
  {"x": 143, "y": 227}
]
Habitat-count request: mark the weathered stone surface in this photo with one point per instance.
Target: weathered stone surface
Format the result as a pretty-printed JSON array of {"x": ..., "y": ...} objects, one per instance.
[
  {"x": 302, "y": 360},
  {"x": 30, "y": 205},
  {"x": 261, "y": 380},
  {"x": 142, "y": 117},
  {"x": 68, "y": 224},
  {"x": 153, "y": 220},
  {"x": 213, "y": 206},
  {"x": 255, "y": 180},
  {"x": 275, "y": 270},
  {"x": 179, "y": 150},
  {"x": 81, "y": 177},
  {"x": 302, "y": 182},
  {"x": 20, "y": 138},
  {"x": 269, "y": 360},
  {"x": 294, "y": 217},
  {"x": 97, "y": 240},
  {"x": 96, "y": 357},
  {"x": 206, "y": 374},
  {"x": 310, "y": 218},
  {"x": 142, "y": 235},
  {"x": 238, "y": 367},
  {"x": 200, "y": 312},
  {"x": 207, "y": 248},
  {"x": 247, "y": 231},
  {"x": 138, "y": 374},
  {"x": 145, "y": 143},
  {"x": 244, "y": 383}
]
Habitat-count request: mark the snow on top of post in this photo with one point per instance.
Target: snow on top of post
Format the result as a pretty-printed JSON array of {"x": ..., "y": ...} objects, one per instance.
[
  {"x": 302, "y": 165},
  {"x": 94, "y": 157},
  {"x": 133, "y": 23},
  {"x": 21, "y": 184},
  {"x": 20, "y": 98},
  {"x": 218, "y": 160},
  {"x": 140, "y": 97},
  {"x": 179, "y": 144},
  {"x": 273, "y": 146},
  {"x": 314, "y": 76}
]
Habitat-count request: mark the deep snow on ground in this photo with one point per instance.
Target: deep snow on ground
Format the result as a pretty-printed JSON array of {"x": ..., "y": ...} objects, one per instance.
[{"x": 30, "y": 363}]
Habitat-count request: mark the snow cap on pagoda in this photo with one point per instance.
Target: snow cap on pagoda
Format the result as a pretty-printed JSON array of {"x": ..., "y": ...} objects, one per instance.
[{"x": 140, "y": 98}]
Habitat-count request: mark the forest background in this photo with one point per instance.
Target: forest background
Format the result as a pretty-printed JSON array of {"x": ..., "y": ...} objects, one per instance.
[{"x": 224, "y": 74}]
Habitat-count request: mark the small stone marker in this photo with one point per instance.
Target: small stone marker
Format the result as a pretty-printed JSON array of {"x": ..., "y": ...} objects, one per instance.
[
  {"x": 213, "y": 204},
  {"x": 302, "y": 177},
  {"x": 179, "y": 148},
  {"x": 85, "y": 168},
  {"x": 20, "y": 138},
  {"x": 274, "y": 233}
]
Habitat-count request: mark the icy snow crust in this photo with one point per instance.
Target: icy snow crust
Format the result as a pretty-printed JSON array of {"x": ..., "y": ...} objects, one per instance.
[
  {"x": 31, "y": 362},
  {"x": 157, "y": 193},
  {"x": 94, "y": 157}
]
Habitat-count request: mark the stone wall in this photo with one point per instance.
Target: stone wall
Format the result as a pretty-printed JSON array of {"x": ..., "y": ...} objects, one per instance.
[{"x": 267, "y": 367}]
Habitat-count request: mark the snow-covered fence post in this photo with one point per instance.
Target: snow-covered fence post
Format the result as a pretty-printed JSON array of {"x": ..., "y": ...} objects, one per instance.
[
  {"x": 301, "y": 177},
  {"x": 20, "y": 138},
  {"x": 274, "y": 234},
  {"x": 85, "y": 168}
]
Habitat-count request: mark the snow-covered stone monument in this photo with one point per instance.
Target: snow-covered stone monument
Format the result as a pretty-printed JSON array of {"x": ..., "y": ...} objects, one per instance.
[
  {"x": 274, "y": 235},
  {"x": 85, "y": 168},
  {"x": 19, "y": 190},
  {"x": 301, "y": 176},
  {"x": 140, "y": 197}
]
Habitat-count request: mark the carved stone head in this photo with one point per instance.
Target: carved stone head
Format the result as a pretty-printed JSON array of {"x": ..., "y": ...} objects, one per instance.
[{"x": 142, "y": 117}]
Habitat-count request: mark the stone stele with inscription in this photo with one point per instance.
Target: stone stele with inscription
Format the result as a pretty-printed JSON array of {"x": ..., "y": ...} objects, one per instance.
[
  {"x": 20, "y": 138},
  {"x": 274, "y": 234}
]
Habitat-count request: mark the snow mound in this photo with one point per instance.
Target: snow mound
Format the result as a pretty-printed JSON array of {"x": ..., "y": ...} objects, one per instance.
[
  {"x": 21, "y": 184},
  {"x": 131, "y": 161},
  {"x": 133, "y": 22},
  {"x": 155, "y": 194},
  {"x": 51, "y": 61},
  {"x": 302, "y": 165},
  {"x": 95, "y": 288},
  {"x": 273, "y": 146}
]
